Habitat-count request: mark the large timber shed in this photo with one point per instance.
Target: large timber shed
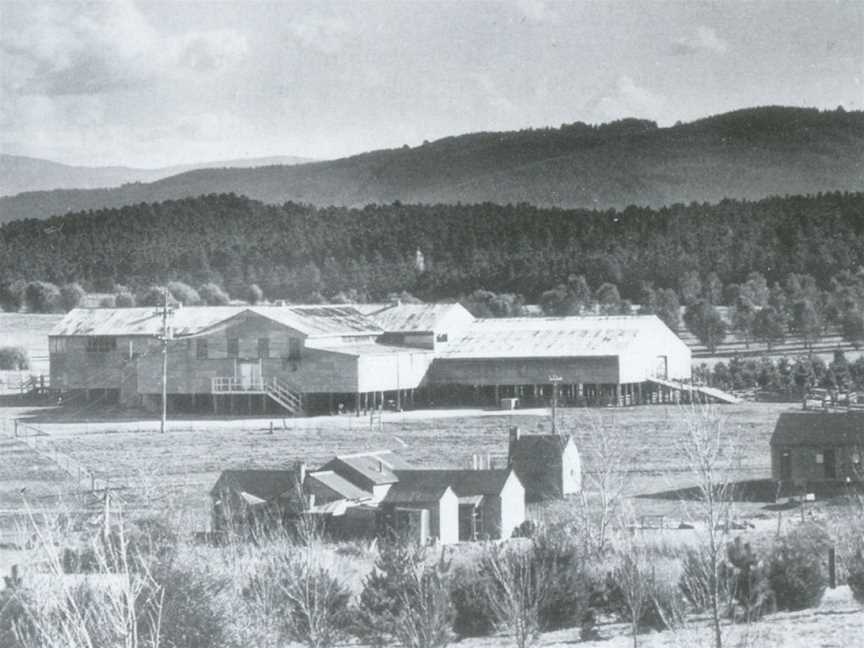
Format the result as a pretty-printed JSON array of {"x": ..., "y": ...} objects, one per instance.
[
  {"x": 592, "y": 358},
  {"x": 812, "y": 448}
]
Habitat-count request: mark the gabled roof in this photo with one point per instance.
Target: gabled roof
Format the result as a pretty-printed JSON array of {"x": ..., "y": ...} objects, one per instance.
[
  {"x": 409, "y": 492},
  {"x": 377, "y": 466},
  {"x": 539, "y": 450},
  {"x": 411, "y": 318},
  {"x": 522, "y": 337},
  {"x": 265, "y": 485},
  {"x": 338, "y": 484},
  {"x": 192, "y": 320},
  {"x": 465, "y": 482},
  {"x": 815, "y": 428}
]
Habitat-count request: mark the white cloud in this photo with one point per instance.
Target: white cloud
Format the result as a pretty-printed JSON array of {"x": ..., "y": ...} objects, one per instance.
[
  {"x": 82, "y": 48},
  {"x": 323, "y": 33},
  {"x": 704, "y": 39},
  {"x": 627, "y": 99},
  {"x": 536, "y": 10}
]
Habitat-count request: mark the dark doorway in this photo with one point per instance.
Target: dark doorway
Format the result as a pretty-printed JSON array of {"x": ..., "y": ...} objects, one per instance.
[
  {"x": 830, "y": 461},
  {"x": 786, "y": 466}
]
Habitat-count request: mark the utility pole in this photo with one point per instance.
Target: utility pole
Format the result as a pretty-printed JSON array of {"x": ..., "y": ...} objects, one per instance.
[
  {"x": 164, "y": 313},
  {"x": 555, "y": 380}
]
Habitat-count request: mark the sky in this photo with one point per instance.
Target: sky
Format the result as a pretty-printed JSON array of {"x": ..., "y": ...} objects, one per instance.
[{"x": 154, "y": 83}]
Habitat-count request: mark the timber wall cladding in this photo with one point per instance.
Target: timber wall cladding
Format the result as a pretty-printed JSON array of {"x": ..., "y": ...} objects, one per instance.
[
  {"x": 78, "y": 368},
  {"x": 524, "y": 371}
]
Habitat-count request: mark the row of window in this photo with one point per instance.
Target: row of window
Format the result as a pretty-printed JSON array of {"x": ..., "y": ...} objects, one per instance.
[
  {"x": 233, "y": 348},
  {"x": 105, "y": 344}
]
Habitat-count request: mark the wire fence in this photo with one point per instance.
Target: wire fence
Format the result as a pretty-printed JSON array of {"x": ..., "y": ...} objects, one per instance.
[{"x": 41, "y": 443}]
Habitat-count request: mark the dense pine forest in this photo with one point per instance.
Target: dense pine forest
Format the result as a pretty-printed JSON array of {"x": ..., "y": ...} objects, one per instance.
[{"x": 299, "y": 252}]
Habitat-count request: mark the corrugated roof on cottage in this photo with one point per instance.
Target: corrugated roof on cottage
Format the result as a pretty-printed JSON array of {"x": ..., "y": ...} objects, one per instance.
[
  {"x": 818, "y": 428},
  {"x": 262, "y": 484},
  {"x": 378, "y": 466}
]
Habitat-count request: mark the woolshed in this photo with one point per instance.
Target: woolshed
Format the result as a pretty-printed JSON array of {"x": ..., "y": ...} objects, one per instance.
[
  {"x": 817, "y": 449},
  {"x": 547, "y": 464},
  {"x": 595, "y": 360},
  {"x": 243, "y": 359}
]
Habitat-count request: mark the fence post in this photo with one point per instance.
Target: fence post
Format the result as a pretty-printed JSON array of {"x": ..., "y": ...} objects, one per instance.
[
  {"x": 16, "y": 427},
  {"x": 832, "y": 568}
]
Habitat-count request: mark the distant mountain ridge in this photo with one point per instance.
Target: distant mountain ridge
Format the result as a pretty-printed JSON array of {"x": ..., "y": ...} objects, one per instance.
[
  {"x": 20, "y": 173},
  {"x": 746, "y": 154}
]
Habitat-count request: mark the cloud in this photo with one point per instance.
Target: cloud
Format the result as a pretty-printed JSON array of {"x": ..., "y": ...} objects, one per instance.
[
  {"x": 536, "y": 10},
  {"x": 89, "y": 48},
  {"x": 703, "y": 39},
  {"x": 322, "y": 33},
  {"x": 626, "y": 99}
]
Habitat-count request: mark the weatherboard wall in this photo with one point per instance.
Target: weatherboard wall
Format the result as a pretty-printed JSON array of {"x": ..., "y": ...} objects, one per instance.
[{"x": 523, "y": 371}]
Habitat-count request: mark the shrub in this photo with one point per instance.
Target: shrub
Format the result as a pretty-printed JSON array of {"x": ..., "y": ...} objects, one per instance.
[
  {"x": 155, "y": 296},
  {"x": 855, "y": 576},
  {"x": 752, "y": 591},
  {"x": 425, "y": 619},
  {"x": 795, "y": 570},
  {"x": 13, "y": 359},
  {"x": 526, "y": 529},
  {"x": 300, "y": 599},
  {"x": 108, "y": 301},
  {"x": 12, "y": 295},
  {"x": 71, "y": 295},
  {"x": 184, "y": 293},
  {"x": 191, "y": 615},
  {"x": 253, "y": 294},
  {"x": 42, "y": 297},
  {"x": 567, "y": 589},
  {"x": 213, "y": 295},
  {"x": 472, "y": 614},
  {"x": 124, "y": 300},
  {"x": 380, "y": 601}
]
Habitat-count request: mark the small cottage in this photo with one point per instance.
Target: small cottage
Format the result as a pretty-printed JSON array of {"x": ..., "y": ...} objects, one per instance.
[
  {"x": 416, "y": 511},
  {"x": 548, "y": 465},
  {"x": 251, "y": 500},
  {"x": 491, "y": 503},
  {"x": 817, "y": 448}
]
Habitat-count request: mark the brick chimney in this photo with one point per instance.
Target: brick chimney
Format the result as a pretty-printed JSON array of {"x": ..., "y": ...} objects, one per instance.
[{"x": 514, "y": 437}]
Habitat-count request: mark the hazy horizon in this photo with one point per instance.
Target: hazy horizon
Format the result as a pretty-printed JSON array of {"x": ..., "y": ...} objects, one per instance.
[{"x": 152, "y": 84}]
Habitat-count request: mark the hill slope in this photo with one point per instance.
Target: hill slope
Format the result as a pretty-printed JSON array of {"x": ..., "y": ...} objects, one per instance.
[
  {"x": 744, "y": 154},
  {"x": 19, "y": 174}
]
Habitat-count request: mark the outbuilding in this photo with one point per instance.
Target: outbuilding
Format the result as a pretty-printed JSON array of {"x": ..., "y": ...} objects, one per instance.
[
  {"x": 813, "y": 449},
  {"x": 548, "y": 465}
]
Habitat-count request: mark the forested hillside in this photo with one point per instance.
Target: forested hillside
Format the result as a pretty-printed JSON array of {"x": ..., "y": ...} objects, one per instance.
[
  {"x": 293, "y": 251},
  {"x": 19, "y": 173},
  {"x": 746, "y": 154}
]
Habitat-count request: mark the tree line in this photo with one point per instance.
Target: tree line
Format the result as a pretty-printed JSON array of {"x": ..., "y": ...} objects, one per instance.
[{"x": 784, "y": 263}]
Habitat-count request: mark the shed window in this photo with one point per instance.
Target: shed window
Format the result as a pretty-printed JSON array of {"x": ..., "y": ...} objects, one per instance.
[
  {"x": 101, "y": 344},
  {"x": 233, "y": 347},
  {"x": 57, "y": 345},
  {"x": 201, "y": 349},
  {"x": 820, "y": 458},
  {"x": 441, "y": 337},
  {"x": 264, "y": 348}
]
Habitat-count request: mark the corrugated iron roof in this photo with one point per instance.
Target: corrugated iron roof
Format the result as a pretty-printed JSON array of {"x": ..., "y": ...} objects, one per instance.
[
  {"x": 409, "y": 492},
  {"x": 265, "y": 485},
  {"x": 377, "y": 466},
  {"x": 190, "y": 320},
  {"x": 523, "y": 337},
  {"x": 815, "y": 428},
  {"x": 338, "y": 485},
  {"x": 408, "y": 318},
  {"x": 464, "y": 482},
  {"x": 537, "y": 449},
  {"x": 369, "y": 349}
]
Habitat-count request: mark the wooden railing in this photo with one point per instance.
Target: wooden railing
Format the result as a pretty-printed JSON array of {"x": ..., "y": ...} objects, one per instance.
[
  {"x": 231, "y": 385},
  {"x": 284, "y": 394}
]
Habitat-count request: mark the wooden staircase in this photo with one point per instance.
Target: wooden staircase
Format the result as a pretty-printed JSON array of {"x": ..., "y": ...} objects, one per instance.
[{"x": 282, "y": 394}]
